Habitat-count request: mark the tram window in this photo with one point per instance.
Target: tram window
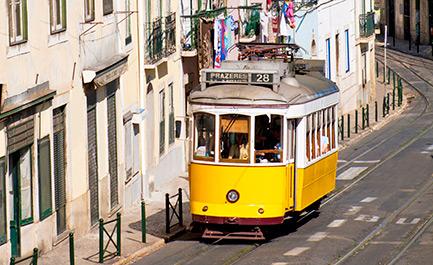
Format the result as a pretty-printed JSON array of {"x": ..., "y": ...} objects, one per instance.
[
  {"x": 204, "y": 136},
  {"x": 324, "y": 137},
  {"x": 313, "y": 135},
  {"x": 268, "y": 139},
  {"x": 234, "y": 139},
  {"x": 307, "y": 139},
  {"x": 328, "y": 122},
  {"x": 333, "y": 128},
  {"x": 291, "y": 125},
  {"x": 319, "y": 133}
]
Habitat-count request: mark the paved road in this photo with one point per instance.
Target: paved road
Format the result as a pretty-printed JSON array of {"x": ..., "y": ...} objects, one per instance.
[{"x": 382, "y": 214}]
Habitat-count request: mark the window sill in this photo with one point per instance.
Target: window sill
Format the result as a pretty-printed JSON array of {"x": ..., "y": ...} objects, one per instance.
[
  {"x": 18, "y": 49},
  {"x": 57, "y": 38}
]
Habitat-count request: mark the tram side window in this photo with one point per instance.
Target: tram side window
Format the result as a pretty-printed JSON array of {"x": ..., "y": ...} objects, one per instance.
[
  {"x": 313, "y": 135},
  {"x": 291, "y": 126},
  {"x": 234, "y": 139},
  {"x": 268, "y": 139},
  {"x": 307, "y": 139},
  {"x": 204, "y": 136},
  {"x": 333, "y": 128},
  {"x": 325, "y": 135},
  {"x": 319, "y": 133}
]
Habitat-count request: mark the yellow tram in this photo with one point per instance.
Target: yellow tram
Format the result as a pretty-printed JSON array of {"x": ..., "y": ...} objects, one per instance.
[{"x": 264, "y": 145}]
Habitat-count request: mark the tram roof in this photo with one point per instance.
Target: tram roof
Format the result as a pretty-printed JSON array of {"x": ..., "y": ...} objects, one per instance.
[{"x": 291, "y": 90}]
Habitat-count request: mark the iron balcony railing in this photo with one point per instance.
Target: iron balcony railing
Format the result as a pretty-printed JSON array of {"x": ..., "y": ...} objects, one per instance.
[
  {"x": 155, "y": 41},
  {"x": 170, "y": 33},
  {"x": 366, "y": 24},
  {"x": 189, "y": 33}
]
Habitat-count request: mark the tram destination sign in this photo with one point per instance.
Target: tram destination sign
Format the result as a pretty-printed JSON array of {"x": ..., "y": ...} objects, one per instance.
[{"x": 239, "y": 77}]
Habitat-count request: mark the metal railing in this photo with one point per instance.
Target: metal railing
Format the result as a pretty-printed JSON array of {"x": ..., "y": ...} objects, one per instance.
[
  {"x": 172, "y": 210},
  {"x": 170, "y": 33},
  {"x": 155, "y": 41},
  {"x": 189, "y": 33},
  {"x": 366, "y": 24},
  {"x": 33, "y": 259},
  {"x": 102, "y": 231}
]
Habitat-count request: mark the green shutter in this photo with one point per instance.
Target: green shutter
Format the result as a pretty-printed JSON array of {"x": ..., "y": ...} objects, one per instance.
[
  {"x": 2, "y": 201},
  {"x": 44, "y": 165},
  {"x": 25, "y": 30},
  {"x": 64, "y": 18}
]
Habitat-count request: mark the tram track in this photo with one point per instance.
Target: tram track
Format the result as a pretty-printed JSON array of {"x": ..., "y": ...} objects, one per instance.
[{"x": 381, "y": 227}]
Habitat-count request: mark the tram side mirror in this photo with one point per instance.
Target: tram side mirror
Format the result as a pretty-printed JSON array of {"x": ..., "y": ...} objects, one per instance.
[{"x": 178, "y": 128}]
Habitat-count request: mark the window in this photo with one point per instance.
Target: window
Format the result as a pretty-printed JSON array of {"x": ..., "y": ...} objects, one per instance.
[
  {"x": 204, "y": 136},
  {"x": 328, "y": 59},
  {"x": 318, "y": 133},
  {"x": 333, "y": 145},
  {"x": 44, "y": 165},
  {"x": 313, "y": 136},
  {"x": 291, "y": 132},
  {"x": 308, "y": 138},
  {"x": 234, "y": 138},
  {"x": 337, "y": 54},
  {"x": 161, "y": 122},
  {"x": 347, "y": 51},
  {"x": 89, "y": 10},
  {"x": 107, "y": 6},
  {"x": 171, "y": 129},
  {"x": 128, "y": 35},
  {"x": 17, "y": 21},
  {"x": 132, "y": 146},
  {"x": 325, "y": 136},
  {"x": 268, "y": 139},
  {"x": 2, "y": 201},
  {"x": 25, "y": 176},
  {"x": 58, "y": 15}
]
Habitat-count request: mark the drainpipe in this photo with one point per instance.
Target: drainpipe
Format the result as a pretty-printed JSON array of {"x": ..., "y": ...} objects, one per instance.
[{"x": 142, "y": 99}]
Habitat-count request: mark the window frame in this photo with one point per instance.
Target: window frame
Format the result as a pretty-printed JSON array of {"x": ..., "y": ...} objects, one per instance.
[
  {"x": 107, "y": 7},
  {"x": 171, "y": 118},
  {"x": 128, "y": 32},
  {"x": 45, "y": 213},
  {"x": 89, "y": 10},
  {"x": 162, "y": 121},
  {"x": 29, "y": 219},
  {"x": 328, "y": 59},
  {"x": 195, "y": 137},
  {"x": 235, "y": 161},
  {"x": 346, "y": 33},
  {"x": 274, "y": 151},
  {"x": 14, "y": 38},
  {"x": 54, "y": 25}
]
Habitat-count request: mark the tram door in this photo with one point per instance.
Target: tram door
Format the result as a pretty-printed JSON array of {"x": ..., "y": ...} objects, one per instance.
[{"x": 291, "y": 152}]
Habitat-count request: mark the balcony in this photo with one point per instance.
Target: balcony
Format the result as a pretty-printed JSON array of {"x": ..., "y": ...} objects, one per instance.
[
  {"x": 170, "y": 33},
  {"x": 189, "y": 34},
  {"x": 160, "y": 38},
  {"x": 366, "y": 25}
]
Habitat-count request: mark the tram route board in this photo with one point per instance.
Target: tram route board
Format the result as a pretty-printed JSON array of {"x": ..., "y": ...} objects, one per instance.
[{"x": 239, "y": 77}]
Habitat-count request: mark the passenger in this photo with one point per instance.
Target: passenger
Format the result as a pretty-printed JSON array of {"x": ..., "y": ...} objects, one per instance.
[{"x": 324, "y": 140}]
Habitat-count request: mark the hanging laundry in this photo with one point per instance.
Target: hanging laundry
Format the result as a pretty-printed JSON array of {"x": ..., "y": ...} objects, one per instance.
[
  {"x": 229, "y": 33},
  {"x": 218, "y": 42},
  {"x": 291, "y": 14},
  {"x": 253, "y": 25},
  {"x": 284, "y": 28},
  {"x": 264, "y": 21}
]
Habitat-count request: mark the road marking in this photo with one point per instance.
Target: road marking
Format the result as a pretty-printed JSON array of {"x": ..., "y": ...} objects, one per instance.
[
  {"x": 385, "y": 242},
  {"x": 369, "y": 199},
  {"x": 351, "y": 173},
  {"x": 296, "y": 251},
  {"x": 367, "y": 218},
  {"x": 342, "y": 161},
  {"x": 279, "y": 263},
  {"x": 425, "y": 152},
  {"x": 366, "y": 161},
  {"x": 430, "y": 148},
  {"x": 317, "y": 236},
  {"x": 337, "y": 223},
  {"x": 402, "y": 221},
  {"x": 353, "y": 210}
]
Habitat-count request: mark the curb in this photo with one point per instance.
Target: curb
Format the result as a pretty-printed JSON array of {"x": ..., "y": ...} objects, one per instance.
[{"x": 141, "y": 253}]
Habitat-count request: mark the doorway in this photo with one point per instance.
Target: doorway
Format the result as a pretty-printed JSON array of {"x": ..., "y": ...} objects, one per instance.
[
  {"x": 406, "y": 19},
  {"x": 391, "y": 18}
]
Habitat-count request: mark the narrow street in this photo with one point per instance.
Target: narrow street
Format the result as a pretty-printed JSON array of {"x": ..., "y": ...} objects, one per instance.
[{"x": 381, "y": 213}]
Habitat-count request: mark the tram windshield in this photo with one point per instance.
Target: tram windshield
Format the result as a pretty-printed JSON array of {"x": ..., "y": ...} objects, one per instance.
[
  {"x": 268, "y": 139},
  {"x": 234, "y": 139},
  {"x": 204, "y": 136}
]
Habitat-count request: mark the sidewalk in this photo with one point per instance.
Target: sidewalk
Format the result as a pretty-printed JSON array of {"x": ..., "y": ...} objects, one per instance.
[
  {"x": 425, "y": 51},
  {"x": 382, "y": 89},
  {"x": 86, "y": 247}
]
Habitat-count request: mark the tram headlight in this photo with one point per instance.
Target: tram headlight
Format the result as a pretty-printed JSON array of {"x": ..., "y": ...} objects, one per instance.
[{"x": 232, "y": 196}]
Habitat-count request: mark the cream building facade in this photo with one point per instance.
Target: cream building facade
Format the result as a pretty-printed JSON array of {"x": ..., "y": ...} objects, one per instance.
[{"x": 71, "y": 119}]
